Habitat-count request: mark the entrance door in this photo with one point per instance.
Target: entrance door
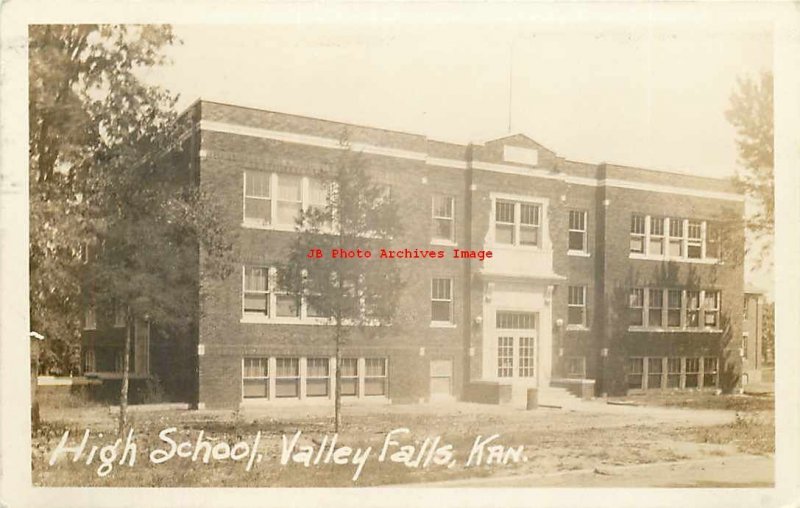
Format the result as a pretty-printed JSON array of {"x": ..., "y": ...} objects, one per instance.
[
  {"x": 441, "y": 378},
  {"x": 516, "y": 346}
]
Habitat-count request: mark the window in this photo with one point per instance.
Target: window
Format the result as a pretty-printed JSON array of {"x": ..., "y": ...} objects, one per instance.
[
  {"x": 505, "y": 356},
  {"x": 287, "y": 377},
  {"x": 517, "y": 223},
  {"x": 256, "y": 291},
  {"x": 675, "y": 238},
  {"x": 348, "y": 377},
  {"x": 290, "y": 199},
  {"x": 526, "y": 356},
  {"x": 443, "y": 218},
  {"x": 637, "y": 234},
  {"x": 692, "y": 309},
  {"x": 635, "y": 372},
  {"x": 692, "y": 379},
  {"x": 656, "y": 236},
  {"x": 694, "y": 245},
  {"x": 89, "y": 361},
  {"x": 745, "y": 336},
  {"x": 655, "y": 369},
  {"x": 710, "y": 372},
  {"x": 286, "y": 303},
  {"x": 441, "y": 301},
  {"x": 711, "y": 309},
  {"x": 654, "y": 307},
  {"x": 577, "y": 231},
  {"x": 317, "y": 377},
  {"x": 90, "y": 317},
  {"x": 673, "y": 372},
  {"x": 119, "y": 314},
  {"x": 317, "y": 193},
  {"x": 576, "y": 314},
  {"x": 713, "y": 241},
  {"x": 529, "y": 224},
  {"x": 674, "y": 308},
  {"x": 375, "y": 377},
  {"x": 505, "y": 320},
  {"x": 255, "y": 378},
  {"x": 257, "y": 201},
  {"x": 636, "y": 307},
  {"x": 575, "y": 367},
  {"x": 504, "y": 223}
]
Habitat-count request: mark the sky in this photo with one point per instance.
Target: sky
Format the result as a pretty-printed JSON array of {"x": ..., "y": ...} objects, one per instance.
[{"x": 649, "y": 95}]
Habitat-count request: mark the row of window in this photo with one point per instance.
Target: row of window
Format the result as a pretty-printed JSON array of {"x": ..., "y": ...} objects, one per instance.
[
  {"x": 293, "y": 377},
  {"x": 663, "y": 308},
  {"x": 673, "y": 238},
  {"x": 671, "y": 372},
  {"x": 90, "y": 316}
]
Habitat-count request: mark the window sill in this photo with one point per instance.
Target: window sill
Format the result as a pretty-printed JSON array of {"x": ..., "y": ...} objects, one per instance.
[
  {"x": 444, "y": 243},
  {"x": 442, "y": 324},
  {"x": 578, "y": 253},
  {"x": 577, "y": 328},
  {"x": 672, "y": 330},
  {"x": 269, "y": 227},
  {"x": 701, "y": 261}
]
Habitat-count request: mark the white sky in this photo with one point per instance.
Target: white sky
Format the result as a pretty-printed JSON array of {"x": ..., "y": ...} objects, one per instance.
[
  {"x": 649, "y": 96},
  {"x": 652, "y": 98}
]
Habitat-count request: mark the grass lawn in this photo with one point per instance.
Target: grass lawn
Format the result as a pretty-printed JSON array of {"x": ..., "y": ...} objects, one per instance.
[{"x": 552, "y": 440}]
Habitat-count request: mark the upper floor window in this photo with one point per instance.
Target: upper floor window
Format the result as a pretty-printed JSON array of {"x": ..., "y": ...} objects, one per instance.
[
  {"x": 272, "y": 199},
  {"x": 673, "y": 238},
  {"x": 659, "y": 308},
  {"x": 443, "y": 218},
  {"x": 442, "y": 301},
  {"x": 120, "y": 314},
  {"x": 576, "y": 314},
  {"x": 517, "y": 223},
  {"x": 264, "y": 298},
  {"x": 577, "y": 231},
  {"x": 90, "y": 317}
]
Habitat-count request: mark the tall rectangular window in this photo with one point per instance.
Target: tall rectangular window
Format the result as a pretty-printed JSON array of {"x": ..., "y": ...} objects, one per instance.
[
  {"x": 256, "y": 290},
  {"x": 527, "y": 351},
  {"x": 89, "y": 361},
  {"x": 656, "y": 236},
  {"x": 636, "y": 307},
  {"x": 529, "y": 224},
  {"x": 290, "y": 199},
  {"x": 711, "y": 309},
  {"x": 505, "y": 356},
  {"x": 694, "y": 245},
  {"x": 257, "y": 198},
  {"x": 89, "y": 317},
  {"x": 576, "y": 314},
  {"x": 441, "y": 301},
  {"x": 286, "y": 303},
  {"x": 287, "y": 377},
  {"x": 348, "y": 377},
  {"x": 673, "y": 373},
  {"x": 635, "y": 373},
  {"x": 504, "y": 223},
  {"x": 692, "y": 309},
  {"x": 655, "y": 368},
  {"x": 317, "y": 377},
  {"x": 710, "y": 372},
  {"x": 674, "y": 308},
  {"x": 675, "y": 238},
  {"x": 443, "y": 218},
  {"x": 255, "y": 378},
  {"x": 654, "y": 307},
  {"x": 637, "y": 234},
  {"x": 713, "y": 240},
  {"x": 375, "y": 376},
  {"x": 577, "y": 231},
  {"x": 692, "y": 373}
]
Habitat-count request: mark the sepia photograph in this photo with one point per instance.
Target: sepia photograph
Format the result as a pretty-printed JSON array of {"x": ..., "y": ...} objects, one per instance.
[{"x": 347, "y": 252}]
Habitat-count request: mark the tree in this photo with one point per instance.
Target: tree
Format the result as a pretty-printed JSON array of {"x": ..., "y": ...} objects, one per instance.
[
  {"x": 108, "y": 169},
  {"x": 356, "y": 293},
  {"x": 751, "y": 113}
]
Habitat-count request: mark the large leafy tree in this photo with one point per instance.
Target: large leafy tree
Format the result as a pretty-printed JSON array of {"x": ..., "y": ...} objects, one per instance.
[
  {"x": 108, "y": 170},
  {"x": 751, "y": 113},
  {"x": 358, "y": 294}
]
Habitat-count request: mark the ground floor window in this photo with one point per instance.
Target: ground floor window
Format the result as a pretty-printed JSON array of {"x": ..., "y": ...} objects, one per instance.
[
  {"x": 89, "y": 361},
  {"x": 505, "y": 356},
  {"x": 671, "y": 372},
  {"x": 526, "y": 356},
  {"x": 312, "y": 377}
]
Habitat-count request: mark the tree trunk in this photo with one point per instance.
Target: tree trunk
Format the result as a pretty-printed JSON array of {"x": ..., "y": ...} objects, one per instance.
[
  {"x": 337, "y": 393},
  {"x": 123, "y": 395},
  {"x": 35, "y": 421}
]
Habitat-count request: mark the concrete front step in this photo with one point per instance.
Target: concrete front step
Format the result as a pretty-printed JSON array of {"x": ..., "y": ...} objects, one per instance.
[{"x": 547, "y": 396}]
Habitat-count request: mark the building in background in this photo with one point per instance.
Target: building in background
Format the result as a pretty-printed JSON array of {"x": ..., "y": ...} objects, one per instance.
[{"x": 625, "y": 276}]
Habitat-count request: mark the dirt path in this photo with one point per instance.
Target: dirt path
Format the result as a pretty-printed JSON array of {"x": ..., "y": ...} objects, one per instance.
[{"x": 732, "y": 471}]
